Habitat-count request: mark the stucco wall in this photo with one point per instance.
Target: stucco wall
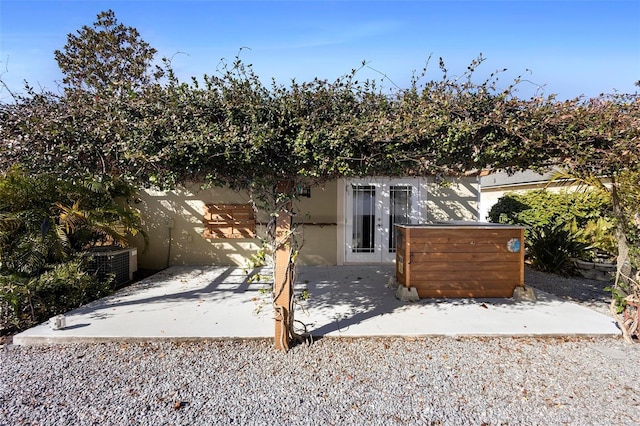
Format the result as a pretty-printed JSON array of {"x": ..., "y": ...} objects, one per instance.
[
  {"x": 451, "y": 199},
  {"x": 318, "y": 236},
  {"x": 173, "y": 222}
]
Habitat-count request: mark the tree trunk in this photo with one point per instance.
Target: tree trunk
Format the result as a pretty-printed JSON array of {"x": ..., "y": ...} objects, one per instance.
[
  {"x": 623, "y": 260},
  {"x": 623, "y": 272}
]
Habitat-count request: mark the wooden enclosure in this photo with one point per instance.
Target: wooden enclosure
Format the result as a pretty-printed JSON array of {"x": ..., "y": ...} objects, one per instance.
[{"x": 467, "y": 259}]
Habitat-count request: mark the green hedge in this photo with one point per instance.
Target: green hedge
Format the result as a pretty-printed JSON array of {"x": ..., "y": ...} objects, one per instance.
[
  {"x": 560, "y": 225},
  {"x": 538, "y": 208}
]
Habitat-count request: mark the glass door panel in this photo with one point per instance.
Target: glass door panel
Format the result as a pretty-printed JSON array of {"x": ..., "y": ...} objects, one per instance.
[
  {"x": 364, "y": 219},
  {"x": 400, "y": 211}
]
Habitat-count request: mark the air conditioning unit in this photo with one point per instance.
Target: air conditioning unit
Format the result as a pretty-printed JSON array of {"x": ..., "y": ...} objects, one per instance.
[{"x": 121, "y": 262}]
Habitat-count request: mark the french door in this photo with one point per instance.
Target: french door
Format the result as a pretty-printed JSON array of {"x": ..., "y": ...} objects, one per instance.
[{"x": 373, "y": 207}]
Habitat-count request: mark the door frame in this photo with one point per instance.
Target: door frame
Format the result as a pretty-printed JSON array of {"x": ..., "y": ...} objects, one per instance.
[{"x": 383, "y": 230}]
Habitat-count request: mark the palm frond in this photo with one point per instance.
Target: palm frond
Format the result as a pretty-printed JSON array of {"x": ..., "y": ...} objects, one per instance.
[
  {"x": 111, "y": 230},
  {"x": 71, "y": 217},
  {"x": 583, "y": 182},
  {"x": 59, "y": 244},
  {"x": 9, "y": 222},
  {"x": 96, "y": 185},
  {"x": 31, "y": 256}
]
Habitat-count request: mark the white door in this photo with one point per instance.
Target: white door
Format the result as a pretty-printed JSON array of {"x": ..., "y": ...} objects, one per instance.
[{"x": 372, "y": 207}]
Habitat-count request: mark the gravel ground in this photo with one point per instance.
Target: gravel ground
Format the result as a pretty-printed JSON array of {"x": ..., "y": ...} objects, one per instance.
[
  {"x": 335, "y": 381},
  {"x": 433, "y": 381}
]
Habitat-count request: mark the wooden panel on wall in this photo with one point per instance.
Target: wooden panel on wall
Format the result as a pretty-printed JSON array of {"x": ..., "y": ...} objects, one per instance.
[{"x": 229, "y": 221}]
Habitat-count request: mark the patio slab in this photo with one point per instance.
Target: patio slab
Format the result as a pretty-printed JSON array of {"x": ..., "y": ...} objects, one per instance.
[{"x": 202, "y": 302}]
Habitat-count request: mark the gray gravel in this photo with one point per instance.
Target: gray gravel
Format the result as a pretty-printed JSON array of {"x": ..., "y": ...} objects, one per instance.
[
  {"x": 335, "y": 381},
  {"x": 448, "y": 381}
]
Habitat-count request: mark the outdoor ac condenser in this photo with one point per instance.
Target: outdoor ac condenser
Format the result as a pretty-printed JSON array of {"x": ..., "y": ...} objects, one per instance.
[{"x": 122, "y": 262}]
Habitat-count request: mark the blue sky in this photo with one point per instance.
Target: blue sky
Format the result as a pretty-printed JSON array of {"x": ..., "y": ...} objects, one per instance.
[{"x": 571, "y": 48}]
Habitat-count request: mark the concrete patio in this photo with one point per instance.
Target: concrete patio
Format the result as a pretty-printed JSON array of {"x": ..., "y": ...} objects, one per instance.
[{"x": 187, "y": 302}]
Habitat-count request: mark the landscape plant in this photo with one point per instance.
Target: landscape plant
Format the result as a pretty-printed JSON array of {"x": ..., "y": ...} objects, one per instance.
[
  {"x": 47, "y": 225},
  {"x": 623, "y": 191},
  {"x": 552, "y": 248},
  {"x": 28, "y": 300},
  {"x": 583, "y": 216}
]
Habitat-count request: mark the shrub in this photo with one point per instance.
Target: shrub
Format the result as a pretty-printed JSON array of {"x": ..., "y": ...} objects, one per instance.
[
  {"x": 508, "y": 208},
  {"x": 585, "y": 214},
  {"x": 601, "y": 235},
  {"x": 46, "y": 225},
  {"x": 538, "y": 208},
  {"x": 552, "y": 246},
  {"x": 26, "y": 301}
]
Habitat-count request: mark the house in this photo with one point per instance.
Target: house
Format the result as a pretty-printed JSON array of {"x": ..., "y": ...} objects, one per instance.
[{"x": 346, "y": 221}]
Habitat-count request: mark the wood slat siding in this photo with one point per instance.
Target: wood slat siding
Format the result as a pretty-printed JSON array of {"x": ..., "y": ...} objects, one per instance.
[
  {"x": 418, "y": 258},
  {"x": 402, "y": 258},
  {"x": 464, "y": 275},
  {"x": 462, "y": 261},
  {"x": 229, "y": 221}
]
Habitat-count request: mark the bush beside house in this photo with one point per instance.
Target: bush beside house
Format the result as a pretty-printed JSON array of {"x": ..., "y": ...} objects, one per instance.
[
  {"x": 46, "y": 226},
  {"x": 561, "y": 226}
]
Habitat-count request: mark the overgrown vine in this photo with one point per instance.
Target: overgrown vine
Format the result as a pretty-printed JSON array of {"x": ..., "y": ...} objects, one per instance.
[{"x": 231, "y": 129}]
